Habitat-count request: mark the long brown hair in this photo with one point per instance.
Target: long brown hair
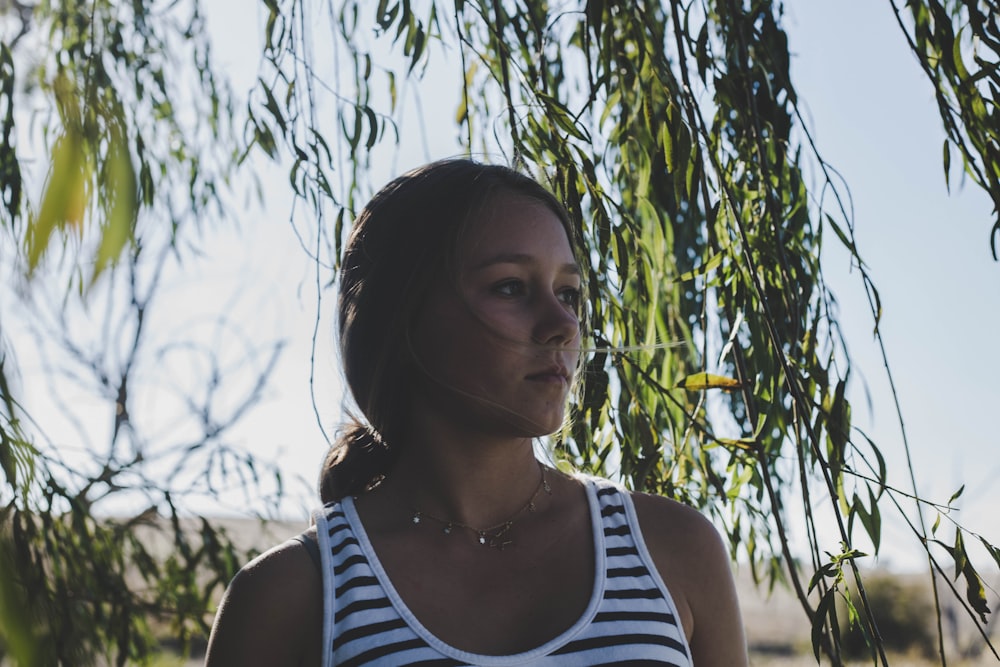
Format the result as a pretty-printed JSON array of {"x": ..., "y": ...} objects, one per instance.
[{"x": 402, "y": 240}]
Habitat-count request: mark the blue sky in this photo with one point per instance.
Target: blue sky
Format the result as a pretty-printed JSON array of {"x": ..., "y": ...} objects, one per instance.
[{"x": 875, "y": 119}]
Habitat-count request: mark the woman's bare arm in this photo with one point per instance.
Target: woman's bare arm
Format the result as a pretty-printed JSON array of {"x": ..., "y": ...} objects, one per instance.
[
  {"x": 271, "y": 614},
  {"x": 694, "y": 564}
]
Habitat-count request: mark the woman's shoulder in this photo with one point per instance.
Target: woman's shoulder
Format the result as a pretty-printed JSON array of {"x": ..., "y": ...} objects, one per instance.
[
  {"x": 272, "y": 611},
  {"x": 676, "y": 535},
  {"x": 694, "y": 563},
  {"x": 685, "y": 546},
  {"x": 674, "y": 523},
  {"x": 284, "y": 571}
]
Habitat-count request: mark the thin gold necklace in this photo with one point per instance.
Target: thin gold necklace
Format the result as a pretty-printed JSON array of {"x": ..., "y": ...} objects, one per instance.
[{"x": 497, "y": 536}]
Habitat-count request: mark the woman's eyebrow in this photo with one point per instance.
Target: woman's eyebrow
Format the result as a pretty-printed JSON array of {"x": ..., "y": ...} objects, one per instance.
[{"x": 521, "y": 258}]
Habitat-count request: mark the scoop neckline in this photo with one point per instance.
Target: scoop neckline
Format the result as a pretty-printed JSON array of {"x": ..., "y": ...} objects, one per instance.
[{"x": 485, "y": 659}]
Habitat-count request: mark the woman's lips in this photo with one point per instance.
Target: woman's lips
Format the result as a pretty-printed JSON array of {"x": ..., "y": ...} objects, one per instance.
[{"x": 554, "y": 375}]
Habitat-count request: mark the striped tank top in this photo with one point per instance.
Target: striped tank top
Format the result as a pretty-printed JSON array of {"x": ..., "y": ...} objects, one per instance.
[{"x": 630, "y": 619}]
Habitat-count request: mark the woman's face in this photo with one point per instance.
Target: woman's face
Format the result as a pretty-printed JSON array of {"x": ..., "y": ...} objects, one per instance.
[{"x": 499, "y": 344}]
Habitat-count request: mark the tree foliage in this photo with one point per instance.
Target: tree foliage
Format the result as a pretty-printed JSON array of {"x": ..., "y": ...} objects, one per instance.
[
  {"x": 958, "y": 46},
  {"x": 716, "y": 372},
  {"x": 130, "y": 113},
  {"x": 117, "y": 143}
]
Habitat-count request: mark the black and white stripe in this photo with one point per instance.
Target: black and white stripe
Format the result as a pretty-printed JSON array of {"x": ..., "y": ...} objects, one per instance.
[{"x": 631, "y": 618}]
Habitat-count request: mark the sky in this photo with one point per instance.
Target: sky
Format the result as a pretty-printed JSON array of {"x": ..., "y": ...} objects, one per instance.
[{"x": 875, "y": 121}]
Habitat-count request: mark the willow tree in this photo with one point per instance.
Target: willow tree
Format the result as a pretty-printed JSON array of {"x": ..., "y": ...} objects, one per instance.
[
  {"x": 117, "y": 142},
  {"x": 716, "y": 372},
  {"x": 715, "y": 369}
]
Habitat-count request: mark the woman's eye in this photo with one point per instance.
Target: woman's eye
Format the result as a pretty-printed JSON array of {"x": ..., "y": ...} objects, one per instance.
[
  {"x": 571, "y": 297},
  {"x": 509, "y": 288}
]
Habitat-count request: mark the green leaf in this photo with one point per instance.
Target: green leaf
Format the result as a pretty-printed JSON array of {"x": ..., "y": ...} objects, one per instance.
[
  {"x": 556, "y": 112},
  {"x": 669, "y": 149},
  {"x": 264, "y": 138},
  {"x": 415, "y": 46},
  {"x": 947, "y": 165},
  {"x": 958, "y": 553},
  {"x": 839, "y": 422},
  {"x": 383, "y": 15},
  {"x": 872, "y": 521},
  {"x": 956, "y": 55},
  {"x": 975, "y": 593},
  {"x": 272, "y": 107},
  {"x": 824, "y": 610},
  {"x": 993, "y": 550},
  {"x": 372, "y": 127},
  {"x": 701, "y": 53},
  {"x": 122, "y": 208},
  {"x": 848, "y": 243},
  {"x": 392, "y": 89},
  {"x": 710, "y": 264}
]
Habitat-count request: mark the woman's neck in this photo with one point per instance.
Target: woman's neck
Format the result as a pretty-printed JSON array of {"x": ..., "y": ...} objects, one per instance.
[{"x": 466, "y": 477}]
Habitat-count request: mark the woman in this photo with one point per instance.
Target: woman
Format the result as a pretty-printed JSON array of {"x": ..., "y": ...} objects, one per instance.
[{"x": 444, "y": 540}]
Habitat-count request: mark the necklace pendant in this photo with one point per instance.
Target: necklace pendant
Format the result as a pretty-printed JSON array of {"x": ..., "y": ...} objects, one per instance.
[
  {"x": 498, "y": 536},
  {"x": 498, "y": 540}
]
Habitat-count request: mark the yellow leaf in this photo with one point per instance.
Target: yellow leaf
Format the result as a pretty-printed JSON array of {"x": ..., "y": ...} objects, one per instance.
[
  {"x": 747, "y": 444},
  {"x": 64, "y": 200},
  {"x": 700, "y": 381}
]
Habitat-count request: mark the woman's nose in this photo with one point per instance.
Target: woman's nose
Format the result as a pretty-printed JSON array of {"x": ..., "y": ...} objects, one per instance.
[{"x": 557, "y": 323}]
